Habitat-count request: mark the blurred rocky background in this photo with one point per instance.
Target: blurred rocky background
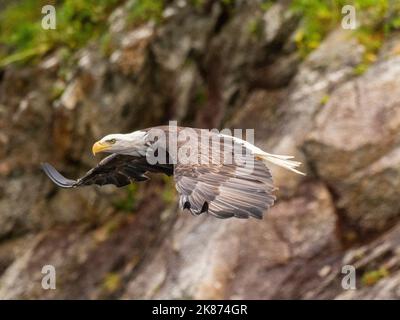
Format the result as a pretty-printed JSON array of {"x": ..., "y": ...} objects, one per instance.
[{"x": 308, "y": 87}]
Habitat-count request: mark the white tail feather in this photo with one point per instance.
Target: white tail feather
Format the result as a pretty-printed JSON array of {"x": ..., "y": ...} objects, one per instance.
[{"x": 281, "y": 161}]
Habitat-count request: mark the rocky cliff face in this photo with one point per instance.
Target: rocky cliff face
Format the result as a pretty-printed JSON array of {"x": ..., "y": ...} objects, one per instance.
[{"x": 209, "y": 66}]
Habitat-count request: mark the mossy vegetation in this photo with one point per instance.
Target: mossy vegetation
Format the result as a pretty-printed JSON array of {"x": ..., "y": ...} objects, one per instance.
[
  {"x": 318, "y": 17},
  {"x": 369, "y": 278},
  {"x": 255, "y": 28},
  {"x": 77, "y": 22},
  {"x": 145, "y": 10},
  {"x": 128, "y": 203},
  {"x": 325, "y": 99},
  {"x": 375, "y": 20},
  {"x": 22, "y": 36},
  {"x": 266, "y": 4},
  {"x": 169, "y": 191},
  {"x": 372, "y": 42},
  {"x": 112, "y": 282},
  {"x": 201, "y": 96}
]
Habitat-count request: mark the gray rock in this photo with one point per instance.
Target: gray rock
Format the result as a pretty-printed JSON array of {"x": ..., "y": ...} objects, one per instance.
[{"x": 352, "y": 146}]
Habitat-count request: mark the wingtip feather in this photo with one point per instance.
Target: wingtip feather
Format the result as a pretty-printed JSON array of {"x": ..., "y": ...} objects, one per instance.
[{"x": 56, "y": 177}]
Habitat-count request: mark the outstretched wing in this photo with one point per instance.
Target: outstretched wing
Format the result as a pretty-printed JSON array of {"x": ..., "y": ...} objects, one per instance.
[
  {"x": 116, "y": 169},
  {"x": 226, "y": 190}
]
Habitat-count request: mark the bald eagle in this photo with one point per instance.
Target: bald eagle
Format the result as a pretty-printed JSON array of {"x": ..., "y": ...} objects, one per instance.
[{"x": 237, "y": 183}]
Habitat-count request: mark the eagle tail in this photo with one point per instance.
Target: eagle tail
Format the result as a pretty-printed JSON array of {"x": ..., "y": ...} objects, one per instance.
[{"x": 282, "y": 161}]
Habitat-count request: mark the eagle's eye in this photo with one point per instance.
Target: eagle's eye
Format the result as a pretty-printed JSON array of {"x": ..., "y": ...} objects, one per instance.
[{"x": 111, "y": 141}]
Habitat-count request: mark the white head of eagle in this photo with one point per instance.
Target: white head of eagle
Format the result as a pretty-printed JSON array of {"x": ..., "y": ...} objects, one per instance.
[{"x": 128, "y": 144}]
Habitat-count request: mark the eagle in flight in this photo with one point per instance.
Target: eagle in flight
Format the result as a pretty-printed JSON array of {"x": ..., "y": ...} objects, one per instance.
[{"x": 223, "y": 175}]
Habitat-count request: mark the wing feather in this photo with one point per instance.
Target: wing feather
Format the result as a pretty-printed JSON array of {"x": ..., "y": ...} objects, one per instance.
[
  {"x": 119, "y": 170},
  {"x": 225, "y": 190}
]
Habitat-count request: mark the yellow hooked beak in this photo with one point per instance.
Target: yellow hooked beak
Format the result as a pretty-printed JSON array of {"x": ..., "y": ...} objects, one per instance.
[{"x": 100, "y": 146}]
